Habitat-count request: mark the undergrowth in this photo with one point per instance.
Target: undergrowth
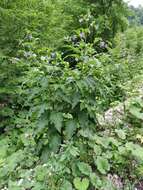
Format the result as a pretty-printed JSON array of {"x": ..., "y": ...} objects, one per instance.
[{"x": 50, "y": 135}]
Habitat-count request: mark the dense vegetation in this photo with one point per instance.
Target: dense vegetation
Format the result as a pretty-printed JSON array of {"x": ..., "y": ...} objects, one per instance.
[
  {"x": 64, "y": 64},
  {"x": 137, "y": 15}
]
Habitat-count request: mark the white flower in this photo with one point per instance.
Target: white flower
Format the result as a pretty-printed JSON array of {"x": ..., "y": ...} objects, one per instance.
[
  {"x": 82, "y": 35},
  {"x": 50, "y": 173},
  {"x": 20, "y": 182},
  {"x": 34, "y": 55},
  {"x": 102, "y": 44},
  {"x": 80, "y": 20},
  {"x": 26, "y": 135},
  {"x": 30, "y": 36},
  {"x": 43, "y": 58},
  {"x": 29, "y": 179}
]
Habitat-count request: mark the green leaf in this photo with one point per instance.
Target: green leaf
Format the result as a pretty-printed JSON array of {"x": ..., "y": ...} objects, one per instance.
[
  {"x": 66, "y": 185},
  {"x": 55, "y": 142},
  {"x": 43, "y": 122},
  {"x": 102, "y": 165},
  {"x": 121, "y": 134},
  {"x": 54, "y": 145},
  {"x": 74, "y": 151},
  {"x": 70, "y": 127},
  {"x": 95, "y": 180},
  {"x": 75, "y": 99},
  {"x": 57, "y": 119},
  {"x": 41, "y": 173},
  {"x": 136, "y": 112},
  {"x": 81, "y": 184},
  {"x": 136, "y": 150},
  {"x": 84, "y": 168},
  {"x": 97, "y": 149},
  {"x": 42, "y": 107},
  {"x": 38, "y": 186}
]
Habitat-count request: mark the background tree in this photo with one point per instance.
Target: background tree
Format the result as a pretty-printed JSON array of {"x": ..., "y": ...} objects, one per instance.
[
  {"x": 48, "y": 20},
  {"x": 136, "y": 16},
  {"x": 110, "y": 15}
]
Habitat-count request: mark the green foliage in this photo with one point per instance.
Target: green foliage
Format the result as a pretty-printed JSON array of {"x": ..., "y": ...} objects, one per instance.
[
  {"x": 102, "y": 165},
  {"x": 81, "y": 184},
  {"x": 136, "y": 17},
  {"x": 48, "y": 20},
  {"x": 51, "y": 138},
  {"x": 111, "y": 17},
  {"x": 56, "y": 137}
]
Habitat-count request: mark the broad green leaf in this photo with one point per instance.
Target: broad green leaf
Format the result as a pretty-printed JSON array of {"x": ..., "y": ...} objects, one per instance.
[
  {"x": 55, "y": 142},
  {"x": 84, "y": 168},
  {"x": 41, "y": 173},
  {"x": 102, "y": 164},
  {"x": 75, "y": 99},
  {"x": 97, "y": 149},
  {"x": 57, "y": 119},
  {"x": 81, "y": 184},
  {"x": 104, "y": 141},
  {"x": 114, "y": 141},
  {"x": 95, "y": 180},
  {"x": 70, "y": 127},
  {"x": 14, "y": 159},
  {"x": 136, "y": 112},
  {"x": 42, "y": 109},
  {"x": 38, "y": 186},
  {"x": 136, "y": 150},
  {"x": 74, "y": 151},
  {"x": 43, "y": 122},
  {"x": 66, "y": 185},
  {"x": 13, "y": 185},
  {"x": 121, "y": 134}
]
